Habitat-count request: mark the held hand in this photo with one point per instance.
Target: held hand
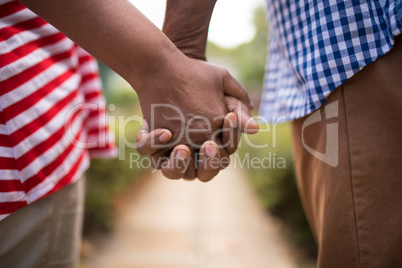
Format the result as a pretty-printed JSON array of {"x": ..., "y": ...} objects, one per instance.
[{"x": 192, "y": 100}]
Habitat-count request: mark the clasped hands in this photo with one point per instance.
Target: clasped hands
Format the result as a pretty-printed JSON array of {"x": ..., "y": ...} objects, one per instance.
[
  {"x": 206, "y": 100},
  {"x": 193, "y": 115}
]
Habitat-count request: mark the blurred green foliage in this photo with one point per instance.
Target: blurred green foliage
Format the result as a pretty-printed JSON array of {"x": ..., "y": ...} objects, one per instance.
[{"x": 247, "y": 61}]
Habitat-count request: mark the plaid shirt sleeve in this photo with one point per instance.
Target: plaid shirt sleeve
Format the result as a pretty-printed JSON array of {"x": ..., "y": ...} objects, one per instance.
[{"x": 317, "y": 45}]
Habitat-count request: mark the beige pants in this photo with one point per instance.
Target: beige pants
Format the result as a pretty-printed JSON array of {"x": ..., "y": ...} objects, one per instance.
[
  {"x": 355, "y": 208},
  {"x": 46, "y": 233}
]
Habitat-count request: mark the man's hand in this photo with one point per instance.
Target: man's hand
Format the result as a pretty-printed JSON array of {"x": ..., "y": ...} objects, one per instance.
[
  {"x": 175, "y": 166},
  {"x": 150, "y": 142},
  {"x": 198, "y": 97}
]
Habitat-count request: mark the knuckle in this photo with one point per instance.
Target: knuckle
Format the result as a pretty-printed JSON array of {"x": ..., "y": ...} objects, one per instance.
[
  {"x": 225, "y": 162},
  {"x": 176, "y": 172},
  {"x": 156, "y": 161},
  {"x": 142, "y": 136},
  {"x": 243, "y": 93},
  {"x": 207, "y": 176},
  {"x": 199, "y": 124},
  {"x": 189, "y": 177},
  {"x": 142, "y": 150},
  {"x": 226, "y": 72},
  {"x": 168, "y": 173},
  {"x": 231, "y": 149}
]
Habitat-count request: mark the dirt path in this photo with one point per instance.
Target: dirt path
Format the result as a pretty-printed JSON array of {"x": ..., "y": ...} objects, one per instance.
[{"x": 177, "y": 224}]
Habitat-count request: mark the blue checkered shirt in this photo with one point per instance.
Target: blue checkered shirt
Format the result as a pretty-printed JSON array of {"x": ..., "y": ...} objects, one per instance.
[{"x": 315, "y": 45}]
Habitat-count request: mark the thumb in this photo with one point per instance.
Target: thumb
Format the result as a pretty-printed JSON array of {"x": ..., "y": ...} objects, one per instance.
[
  {"x": 233, "y": 88},
  {"x": 247, "y": 124}
]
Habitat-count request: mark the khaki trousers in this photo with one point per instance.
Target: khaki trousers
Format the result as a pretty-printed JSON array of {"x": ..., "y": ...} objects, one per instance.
[
  {"x": 46, "y": 233},
  {"x": 354, "y": 206}
]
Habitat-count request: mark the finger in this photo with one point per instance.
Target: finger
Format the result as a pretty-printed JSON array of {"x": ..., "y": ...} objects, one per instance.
[
  {"x": 157, "y": 159},
  {"x": 149, "y": 143},
  {"x": 224, "y": 160},
  {"x": 233, "y": 88},
  {"x": 247, "y": 124},
  {"x": 208, "y": 162},
  {"x": 175, "y": 167},
  {"x": 230, "y": 133},
  {"x": 191, "y": 172}
]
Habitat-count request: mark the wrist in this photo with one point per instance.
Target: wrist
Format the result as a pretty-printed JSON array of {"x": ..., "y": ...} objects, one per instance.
[
  {"x": 186, "y": 25},
  {"x": 157, "y": 60},
  {"x": 157, "y": 72},
  {"x": 190, "y": 45}
]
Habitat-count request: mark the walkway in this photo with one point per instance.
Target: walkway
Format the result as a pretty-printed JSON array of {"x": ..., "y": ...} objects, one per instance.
[{"x": 177, "y": 224}]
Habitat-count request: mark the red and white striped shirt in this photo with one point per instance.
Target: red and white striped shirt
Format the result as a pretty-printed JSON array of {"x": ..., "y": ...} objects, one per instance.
[{"x": 52, "y": 112}]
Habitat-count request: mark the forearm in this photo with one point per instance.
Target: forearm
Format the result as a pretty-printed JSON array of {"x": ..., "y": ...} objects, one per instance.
[
  {"x": 115, "y": 32},
  {"x": 186, "y": 24}
]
